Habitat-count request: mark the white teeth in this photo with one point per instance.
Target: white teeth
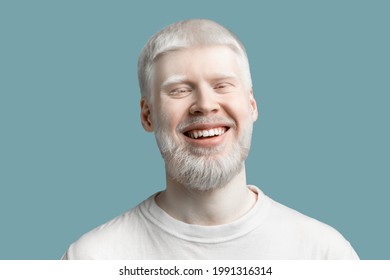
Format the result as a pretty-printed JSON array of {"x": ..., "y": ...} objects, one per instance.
[{"x": 206, "y": 133}]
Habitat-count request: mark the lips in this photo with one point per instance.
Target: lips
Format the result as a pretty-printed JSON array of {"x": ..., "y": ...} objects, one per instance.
[
  {"x": 206, "y": 130},
  {"x": 205, "y": 133}
]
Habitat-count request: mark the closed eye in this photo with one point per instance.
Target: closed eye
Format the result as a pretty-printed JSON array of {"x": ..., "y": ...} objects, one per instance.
[
  {"x": 223, "y": 87},
  {"x": 180, "y": 92}
]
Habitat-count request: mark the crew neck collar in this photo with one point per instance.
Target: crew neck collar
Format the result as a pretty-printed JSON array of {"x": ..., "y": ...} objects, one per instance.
[{"x": 206, "y": 234}]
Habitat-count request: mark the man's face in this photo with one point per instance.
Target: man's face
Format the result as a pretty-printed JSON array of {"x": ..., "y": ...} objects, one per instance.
[{"x": 202, "y": 112}]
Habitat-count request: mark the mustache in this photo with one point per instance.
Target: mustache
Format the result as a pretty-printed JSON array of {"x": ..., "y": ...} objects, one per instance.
[{"x": 209, "y": 120}]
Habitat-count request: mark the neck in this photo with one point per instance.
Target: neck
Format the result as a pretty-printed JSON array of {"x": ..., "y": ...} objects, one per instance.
[{"x": 220, "y": 206}]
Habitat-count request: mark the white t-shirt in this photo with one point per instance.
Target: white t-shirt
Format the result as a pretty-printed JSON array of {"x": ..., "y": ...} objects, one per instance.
[{"x": 268, "y": 231}]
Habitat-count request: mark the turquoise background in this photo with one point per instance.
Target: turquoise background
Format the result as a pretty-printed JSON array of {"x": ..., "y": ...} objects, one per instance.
[{"x": 73, "y": 153}]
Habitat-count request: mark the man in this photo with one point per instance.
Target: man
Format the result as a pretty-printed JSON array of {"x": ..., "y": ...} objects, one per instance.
[{"x": 197, "y": 98}]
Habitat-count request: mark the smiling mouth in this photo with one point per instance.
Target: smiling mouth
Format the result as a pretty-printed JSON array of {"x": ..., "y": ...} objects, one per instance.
[{"x": 206, "y": 133}]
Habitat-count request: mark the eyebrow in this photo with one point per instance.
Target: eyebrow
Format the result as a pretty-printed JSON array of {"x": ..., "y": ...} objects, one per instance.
[
  {"x": 178, "y": 79},
  {"x": 175, "y": 79},
  {"x": 223, "y": 76}
]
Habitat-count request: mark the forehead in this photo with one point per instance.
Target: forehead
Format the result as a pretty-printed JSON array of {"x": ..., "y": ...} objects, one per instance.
[{"x": 197, "y": 62}]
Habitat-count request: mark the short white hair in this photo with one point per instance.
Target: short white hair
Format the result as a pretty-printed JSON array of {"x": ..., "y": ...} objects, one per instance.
[{"x": 186, "y": 34}]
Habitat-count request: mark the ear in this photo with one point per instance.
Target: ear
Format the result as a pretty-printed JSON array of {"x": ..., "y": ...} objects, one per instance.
[
  {"x": 146, "y": 120},
  {"x": 255, "y": 112}
]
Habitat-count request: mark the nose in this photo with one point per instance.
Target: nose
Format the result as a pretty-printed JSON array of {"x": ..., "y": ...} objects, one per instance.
[{"x": 205, "y": 102}]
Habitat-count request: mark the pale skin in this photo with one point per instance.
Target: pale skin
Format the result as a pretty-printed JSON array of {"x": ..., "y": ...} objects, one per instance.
[{"x": 202, "y": 81}]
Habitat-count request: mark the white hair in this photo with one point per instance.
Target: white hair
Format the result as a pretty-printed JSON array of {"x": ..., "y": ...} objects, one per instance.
[{"x": 186, "y": 34}]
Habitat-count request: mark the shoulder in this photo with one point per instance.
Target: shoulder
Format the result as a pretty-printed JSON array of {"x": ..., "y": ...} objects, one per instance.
[
  {"x": 107, "y": 240},
  {"x": 316, "y": 239}
]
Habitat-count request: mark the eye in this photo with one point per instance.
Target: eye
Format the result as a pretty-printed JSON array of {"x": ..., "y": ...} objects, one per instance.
[
  {"x": 180, "y": 92},
  {"x": 223, "y": 87}
]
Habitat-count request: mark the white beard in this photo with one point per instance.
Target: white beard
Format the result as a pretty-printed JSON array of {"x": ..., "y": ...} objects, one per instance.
[{"x": 198, "y": 168}]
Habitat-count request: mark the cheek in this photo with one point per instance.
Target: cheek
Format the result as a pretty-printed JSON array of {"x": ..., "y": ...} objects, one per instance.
[
  {"x": 169, "y": 115},
  {"x": 174, "y": 110},
  {"x": 239, "y": 108}
]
